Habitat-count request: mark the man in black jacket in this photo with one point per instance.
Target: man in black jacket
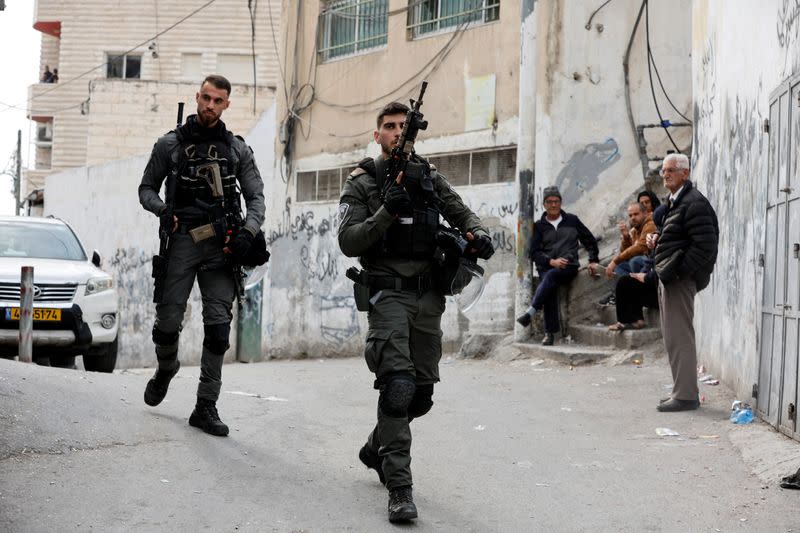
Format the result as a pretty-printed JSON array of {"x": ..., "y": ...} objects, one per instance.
[
  {"x": 554, "y": 249},
  {"x": 685, "y": 254}
]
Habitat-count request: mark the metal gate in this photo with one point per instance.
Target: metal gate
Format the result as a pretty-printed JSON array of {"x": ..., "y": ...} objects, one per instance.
[{"x": 777, "y": 396}]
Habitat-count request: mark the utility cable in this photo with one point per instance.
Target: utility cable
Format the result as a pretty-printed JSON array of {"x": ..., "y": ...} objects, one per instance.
[
  {"x": 252, "y": 5},
  {"x": 664, "y": 123},
  {"x": 60, "y": 84},
  {"x": 589, "y": 22},
  {"x": 663, "y": 90}
]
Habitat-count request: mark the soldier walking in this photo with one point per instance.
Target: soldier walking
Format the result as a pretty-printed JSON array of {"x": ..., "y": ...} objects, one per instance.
[
  {"x": 205, "y": 166},
  {"x": 391, "y": 224}
]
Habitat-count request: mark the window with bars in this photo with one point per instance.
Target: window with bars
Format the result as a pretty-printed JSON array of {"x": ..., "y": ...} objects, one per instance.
[
  {"x": 321, "y": 185},
  {"x": 347, "y": 27},
  {"x": 498, "y": 165},
  {"x": 495, "y": 165},
  {"x": 430, "y": 16}
]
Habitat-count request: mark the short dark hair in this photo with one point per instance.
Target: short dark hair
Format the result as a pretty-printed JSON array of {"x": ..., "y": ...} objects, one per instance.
[
  {"x": 220, "y": 82},
  {"x": 654, "y": 201},
  {"x": 392, "y": 108}
]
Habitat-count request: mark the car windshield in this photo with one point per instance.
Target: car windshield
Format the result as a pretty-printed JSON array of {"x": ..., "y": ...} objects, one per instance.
[{"x": 46, "y": 241}]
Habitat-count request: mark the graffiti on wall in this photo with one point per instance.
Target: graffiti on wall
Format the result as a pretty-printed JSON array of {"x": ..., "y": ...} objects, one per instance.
[
  {"x": 339, "y": 318},
  {"x": 302, "y": 224},
  {"x": 582, "y": 171}
]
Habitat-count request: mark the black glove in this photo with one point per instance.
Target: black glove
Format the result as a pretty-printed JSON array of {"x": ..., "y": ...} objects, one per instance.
[
  {"x": 166, "y": 220},
  {"x": 240, "y": 243},
  {"x": 397, "y": 201},
  {"x": 483, "y": 246}
]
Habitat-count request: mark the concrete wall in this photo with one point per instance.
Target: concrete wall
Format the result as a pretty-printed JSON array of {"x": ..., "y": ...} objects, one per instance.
[
  {"x": 584, "y": 139},
  {"x": 102, "y": 205},
  {"x": 734, "y": 71}
]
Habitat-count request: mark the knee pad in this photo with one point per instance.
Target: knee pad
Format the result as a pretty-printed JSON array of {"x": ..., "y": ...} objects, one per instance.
[
  {"x": 422, "y": 401},
  {"x": 396, "y": 395},
  {"x": 216, "y": 338},
  {"x": 162, "y": 338}
]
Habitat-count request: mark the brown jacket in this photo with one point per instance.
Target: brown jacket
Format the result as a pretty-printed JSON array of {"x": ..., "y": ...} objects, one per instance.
[{"x": 635, "y": 243}]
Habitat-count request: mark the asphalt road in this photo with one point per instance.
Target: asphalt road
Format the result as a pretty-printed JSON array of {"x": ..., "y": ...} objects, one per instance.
[{"x": 521, "y": 446}]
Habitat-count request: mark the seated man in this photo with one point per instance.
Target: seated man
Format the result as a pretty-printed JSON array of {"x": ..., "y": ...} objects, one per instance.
[
  {"x": 638, "y": 289},
  {"x": 633, "y": 249},
  {"x": 554, "y": 249}
]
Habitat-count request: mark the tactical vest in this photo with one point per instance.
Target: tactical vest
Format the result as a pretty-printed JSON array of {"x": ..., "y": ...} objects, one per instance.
[
  {"x": 413, "y": 235},
  {"x": 199, "y": 162}
]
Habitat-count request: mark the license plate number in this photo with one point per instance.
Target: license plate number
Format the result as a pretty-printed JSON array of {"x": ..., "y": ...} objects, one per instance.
[{"x": 40, "y": 314}]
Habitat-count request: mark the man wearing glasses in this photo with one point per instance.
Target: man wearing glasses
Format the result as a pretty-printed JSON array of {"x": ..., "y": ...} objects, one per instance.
[
  {"x": 554, "y": 249},
  {"x": 685, "y": 254}
]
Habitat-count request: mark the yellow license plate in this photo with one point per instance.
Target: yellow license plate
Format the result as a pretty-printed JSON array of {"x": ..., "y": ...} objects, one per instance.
[{"x": 40, "y": 314}]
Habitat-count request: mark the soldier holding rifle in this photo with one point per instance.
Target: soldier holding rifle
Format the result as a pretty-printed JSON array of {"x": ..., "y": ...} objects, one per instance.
[{"x": 389, "y": 213}]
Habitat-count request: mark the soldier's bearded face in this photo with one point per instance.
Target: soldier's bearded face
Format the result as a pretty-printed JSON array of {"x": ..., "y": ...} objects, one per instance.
[
  {"x": 389, "y": 132},
  {"x": 211, "y": 102}
]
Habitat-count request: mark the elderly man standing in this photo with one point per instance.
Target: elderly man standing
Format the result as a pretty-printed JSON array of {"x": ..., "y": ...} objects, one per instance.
[{"x": 685, "y": 254}]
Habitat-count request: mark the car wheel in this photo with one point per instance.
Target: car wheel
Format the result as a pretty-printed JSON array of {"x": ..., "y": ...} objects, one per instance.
[
  {"x": 63, "y": 361},
  {"x": 101, "y": 358}
]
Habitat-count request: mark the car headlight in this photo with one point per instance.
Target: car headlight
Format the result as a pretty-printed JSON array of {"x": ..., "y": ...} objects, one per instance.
[{"x": 95, "y": 285}]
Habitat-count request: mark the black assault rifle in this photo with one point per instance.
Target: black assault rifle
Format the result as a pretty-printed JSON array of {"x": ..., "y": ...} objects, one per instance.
[
  {"x": 400, "y": 158},
  {"x": 161, "y": 261}
]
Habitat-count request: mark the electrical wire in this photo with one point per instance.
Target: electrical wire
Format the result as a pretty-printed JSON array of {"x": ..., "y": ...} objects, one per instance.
[
  {"x": 60, "y": 84},
  {"x": 663, "y": 90},
  {"x": 589, "y": 22},
  {"x": 252, "y": 6},
  {"x": 661, "y": 120},
  {"x": 437, "y": 58},
  {"x": 281, "y": 70}
]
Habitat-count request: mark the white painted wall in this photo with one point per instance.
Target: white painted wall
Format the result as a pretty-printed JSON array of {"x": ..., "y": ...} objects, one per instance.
[
  {"x": 734, "y": 70},
  {"x": 102, "y": 205}
]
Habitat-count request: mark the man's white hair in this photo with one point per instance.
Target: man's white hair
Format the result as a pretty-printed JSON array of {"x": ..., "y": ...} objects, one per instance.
[{"x": 681, "y": 161}]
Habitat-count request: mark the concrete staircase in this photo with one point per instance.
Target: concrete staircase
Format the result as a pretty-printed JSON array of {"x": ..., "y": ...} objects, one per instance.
[
  {"x": 590, "y": 342},
  {"x": 585, "y": 337}
]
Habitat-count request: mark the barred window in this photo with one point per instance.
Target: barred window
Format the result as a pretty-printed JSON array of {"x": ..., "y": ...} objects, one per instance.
[
  {"x": 496, "y": 165},
  {"x": 430, "y": 16},
  {"x": 350, "y": 26},
  {"x": 321, "y": 185}
]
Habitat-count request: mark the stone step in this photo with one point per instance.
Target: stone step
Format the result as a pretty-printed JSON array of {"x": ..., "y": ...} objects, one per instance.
[
  {"x": 607, "y": 314},
  {"x": 568, "y": 354},
  {"x": 601, "y": 336}
]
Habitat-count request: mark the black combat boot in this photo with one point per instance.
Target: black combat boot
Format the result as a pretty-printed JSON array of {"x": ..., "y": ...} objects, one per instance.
[
  {"x": 205, "y": 417},
  {"x": 157, "y": 387},
  {"x": 401, "y": 505},
  {"x": 372, "y": 460}
]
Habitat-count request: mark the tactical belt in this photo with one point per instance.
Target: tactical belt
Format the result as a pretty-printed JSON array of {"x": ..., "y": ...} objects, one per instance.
[
  {"x": 186, "y": 227},
  {"x": 419, "y": 284}
]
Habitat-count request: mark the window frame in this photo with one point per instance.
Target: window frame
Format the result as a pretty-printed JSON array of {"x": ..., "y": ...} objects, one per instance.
[
  {"x": 325, "y": 35},
  {"x": 110, "y": 55},
  {"x": 415, "y": 8},
  {"x": 344, "y": 171}
]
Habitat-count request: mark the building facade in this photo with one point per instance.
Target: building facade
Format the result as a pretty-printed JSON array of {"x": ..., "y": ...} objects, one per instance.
[
  {"x": 122, "y": 67},
  {"x": 747, "y": 124},
  {"x": 345, "y": 60}
]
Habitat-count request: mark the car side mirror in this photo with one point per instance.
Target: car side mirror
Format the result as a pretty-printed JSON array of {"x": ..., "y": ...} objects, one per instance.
[{"x": 96, "y": 259}]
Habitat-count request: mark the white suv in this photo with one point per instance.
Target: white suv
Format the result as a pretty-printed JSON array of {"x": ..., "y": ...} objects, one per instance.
[{"x": 75, "y": 303}]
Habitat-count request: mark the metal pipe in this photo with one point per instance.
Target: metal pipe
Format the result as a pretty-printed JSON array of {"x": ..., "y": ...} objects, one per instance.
[{"x": 26, "y": 315}]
